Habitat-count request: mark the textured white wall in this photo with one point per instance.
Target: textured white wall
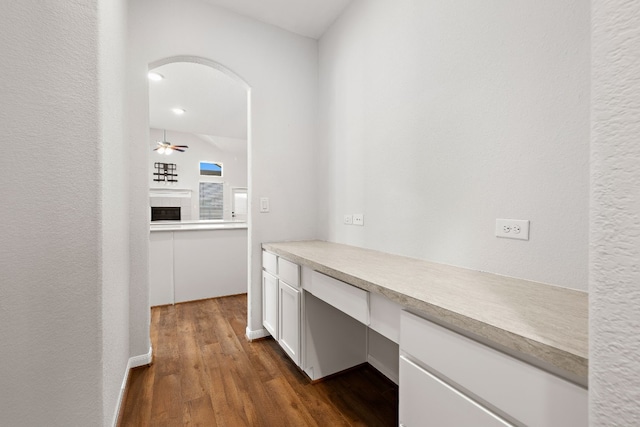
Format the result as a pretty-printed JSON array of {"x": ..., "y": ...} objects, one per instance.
[
  {"x": 439, "y": 117},
  {"x": 114, "y": 204},
  {"x": 60, "y": 215},
  {"x": 614, "y": 356},
  {"x": 231, "y": 152},
  {"x": 281, "y": 69}
]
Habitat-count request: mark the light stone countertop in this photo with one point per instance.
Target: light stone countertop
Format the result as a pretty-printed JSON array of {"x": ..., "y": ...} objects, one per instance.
[
  {"x": 196, "y": 225},
  {"x": 543, "y": 324}
]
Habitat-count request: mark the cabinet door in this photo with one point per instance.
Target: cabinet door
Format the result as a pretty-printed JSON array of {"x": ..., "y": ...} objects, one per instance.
[
  {"x": 270, "y": 303},
  {"x": 160, "y": 268},
  {"x": 289, "y": 320},
  {"x": 426, "y": 400}
]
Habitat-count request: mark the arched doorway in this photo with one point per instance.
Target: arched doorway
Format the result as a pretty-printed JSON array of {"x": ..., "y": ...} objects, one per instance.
[{"x": 199, "y": 117}]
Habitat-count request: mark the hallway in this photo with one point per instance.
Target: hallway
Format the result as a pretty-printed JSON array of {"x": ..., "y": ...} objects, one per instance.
[{"x": 206, "y": 373}]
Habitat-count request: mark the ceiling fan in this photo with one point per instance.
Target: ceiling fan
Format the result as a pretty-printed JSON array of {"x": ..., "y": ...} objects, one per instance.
[{"x": 165, "y": 147}]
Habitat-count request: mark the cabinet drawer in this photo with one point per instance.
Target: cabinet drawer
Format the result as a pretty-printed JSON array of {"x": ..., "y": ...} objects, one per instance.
[
  {"x": 270, "y": 262},
  {"x": 346, "y": 298},
  {"x": 528, "y": 394},
  {"x": 289, "y": 272},
  {"x": 425, "y": 397}
]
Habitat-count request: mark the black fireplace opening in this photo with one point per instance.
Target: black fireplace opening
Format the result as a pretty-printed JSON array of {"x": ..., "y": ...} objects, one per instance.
[{"x": 165, "y": 213}]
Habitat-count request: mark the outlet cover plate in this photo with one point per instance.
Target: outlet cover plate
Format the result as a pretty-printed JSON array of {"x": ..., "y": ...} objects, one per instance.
[
  {"x": 348, "y": 219},
  {"x": 512, "y": 228},
  {"x": 358, "y": 219}
]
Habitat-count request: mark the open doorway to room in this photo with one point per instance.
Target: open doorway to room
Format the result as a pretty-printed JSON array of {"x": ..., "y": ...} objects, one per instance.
[{"x": 198, "y": 143}]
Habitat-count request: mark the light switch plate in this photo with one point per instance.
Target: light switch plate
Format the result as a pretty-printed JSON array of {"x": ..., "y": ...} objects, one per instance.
[{"x": 264, "y": 204}]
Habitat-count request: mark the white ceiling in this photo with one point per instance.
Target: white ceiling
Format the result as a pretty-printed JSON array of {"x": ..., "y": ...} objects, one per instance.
[
  {"x": 309, "y": 18},
  {"x": 215, "y": 104}
]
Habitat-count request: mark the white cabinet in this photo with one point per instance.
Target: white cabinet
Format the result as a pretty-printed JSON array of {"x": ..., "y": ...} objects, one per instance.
[
  {"x": 426, "y": 400},
  {"x": 289, "y": 320},
  {"x": 289, "y": 272},
  {"x": 270, "y": 262},
  {"x": 270, "y": 303},
  {"x": 209, "y": 264},
  {"x": 521, "y": 393},
  {"x": 189, "y": 265},
  {"x": 281, "y": 303},
  {"x": 160, "y": 268}
]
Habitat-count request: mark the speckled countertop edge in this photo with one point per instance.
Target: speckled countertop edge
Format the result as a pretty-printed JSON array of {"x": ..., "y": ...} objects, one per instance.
[
  {"x": 197, "y": 227},
  {"x": 543, "y": 324}
]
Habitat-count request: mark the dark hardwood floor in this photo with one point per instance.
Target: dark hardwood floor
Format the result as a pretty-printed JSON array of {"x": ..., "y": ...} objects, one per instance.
[{"x": 206, "y": 373}]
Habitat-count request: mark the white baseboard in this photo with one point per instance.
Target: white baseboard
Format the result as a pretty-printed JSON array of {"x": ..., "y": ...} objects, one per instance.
[
  {"x": 384, "y": 370},
  {"x": 143, "y": 359},
  {"x": 254, "y": 335},
  {"x": 134, "y": 362}
]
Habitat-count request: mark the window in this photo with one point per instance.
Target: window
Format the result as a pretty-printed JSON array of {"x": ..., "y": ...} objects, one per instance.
[
  {"x": 210, "y": 169},
  {"x": 211, "y": 200}
]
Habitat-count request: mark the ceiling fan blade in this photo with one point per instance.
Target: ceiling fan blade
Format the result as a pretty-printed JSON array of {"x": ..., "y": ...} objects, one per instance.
[
  {"x": 156, "y": 149},
  {"x": 178, "y": 149},
  {"x": 181, "y": 146}
]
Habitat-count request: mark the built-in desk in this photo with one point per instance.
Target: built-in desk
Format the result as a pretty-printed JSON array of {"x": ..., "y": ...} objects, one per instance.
[
  {"x": 546, "y": 325},
  {"x": 510, "y": 326}
]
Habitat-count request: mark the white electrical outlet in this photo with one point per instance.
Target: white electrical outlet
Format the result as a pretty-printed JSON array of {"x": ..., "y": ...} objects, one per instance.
[
  {"x": 348, "y": 219},
  {"x": 358, "y": 219},
  {"x": 512, "y": 228}
]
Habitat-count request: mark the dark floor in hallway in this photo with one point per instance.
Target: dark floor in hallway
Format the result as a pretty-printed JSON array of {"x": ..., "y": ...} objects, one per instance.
[{"x": 206, "y": 373}]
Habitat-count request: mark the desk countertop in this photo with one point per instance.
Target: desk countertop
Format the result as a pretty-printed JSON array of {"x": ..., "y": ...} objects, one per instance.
[{"x": 543, "y": 324}]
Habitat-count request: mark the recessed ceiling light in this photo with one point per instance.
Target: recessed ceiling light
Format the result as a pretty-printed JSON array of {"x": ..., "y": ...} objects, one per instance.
[
  {"x": 156, "y": 77},
  {"x": 178, "y": 111}
]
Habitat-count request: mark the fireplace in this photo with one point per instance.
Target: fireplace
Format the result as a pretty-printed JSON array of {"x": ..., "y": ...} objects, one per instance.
[{"x": 165, "y": 213}]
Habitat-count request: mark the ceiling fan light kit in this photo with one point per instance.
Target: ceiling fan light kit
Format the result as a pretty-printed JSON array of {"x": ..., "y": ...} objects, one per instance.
[{"x": 165, "y": 147}]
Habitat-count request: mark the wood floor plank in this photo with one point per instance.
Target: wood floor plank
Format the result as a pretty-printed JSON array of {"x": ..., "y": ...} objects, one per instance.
[
  {"x": 199, "y": 412},
  {"x": 226, "y": 401},
  {"x": 137, "y": 408},
  {"x": 166, "y": 408},
  {"x": 206, "y": 373},
  {"x": 166, "y": 350}
]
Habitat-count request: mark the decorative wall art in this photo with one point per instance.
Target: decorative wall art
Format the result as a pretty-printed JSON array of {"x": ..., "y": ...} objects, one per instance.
[{"x": 165, "y": 172}]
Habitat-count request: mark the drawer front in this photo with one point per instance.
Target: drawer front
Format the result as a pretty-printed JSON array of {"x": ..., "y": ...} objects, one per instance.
[
  {"x": 289, "y": 272},
  {"x": 426, "y": 400},
  {"x": 385, "y": 317},
  {"x": 528, "y": 394},
  {"x": 346, "y": 298},
  {"x": 270, "y": 262}
]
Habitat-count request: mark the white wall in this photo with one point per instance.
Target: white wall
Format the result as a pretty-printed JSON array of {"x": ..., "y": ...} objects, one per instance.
[
  {"x": 281, "y": 70},
  {"x": 114, "y": 205},
  {"x": 64, "y": 340},
  {"x": 231, "y": 152},
  {"x": 614, "y": 371},
  {"x": 436, "y": 118}
]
